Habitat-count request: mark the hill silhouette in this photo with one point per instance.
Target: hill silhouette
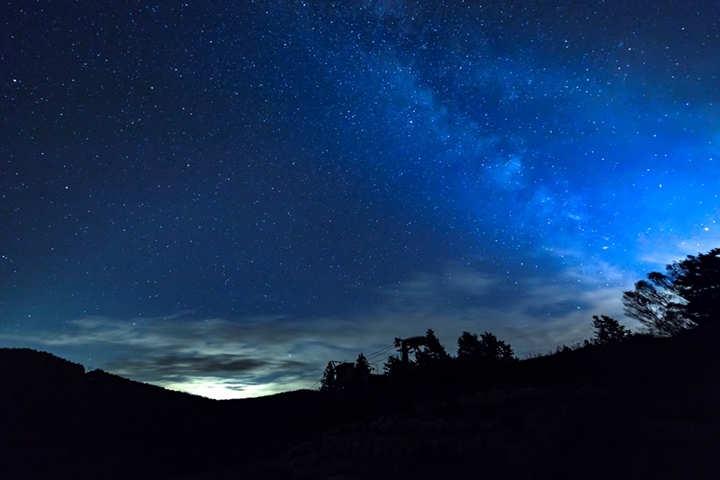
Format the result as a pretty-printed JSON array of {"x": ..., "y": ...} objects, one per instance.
[
  {"x": 644, "y": 408},
  {"x": 61, "y": 422}
]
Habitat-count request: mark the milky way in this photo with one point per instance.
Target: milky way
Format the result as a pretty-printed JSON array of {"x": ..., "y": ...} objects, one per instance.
[{"x": 254, "y": 188}]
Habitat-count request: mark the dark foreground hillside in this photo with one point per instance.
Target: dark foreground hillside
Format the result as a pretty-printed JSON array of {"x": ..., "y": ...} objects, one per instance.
[
  {"x": 59, "y": 422},
  {"x": 645, "y": 408}
]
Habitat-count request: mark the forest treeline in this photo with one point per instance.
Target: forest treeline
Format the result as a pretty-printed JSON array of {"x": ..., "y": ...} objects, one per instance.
[{"x": 686, "y": 296}]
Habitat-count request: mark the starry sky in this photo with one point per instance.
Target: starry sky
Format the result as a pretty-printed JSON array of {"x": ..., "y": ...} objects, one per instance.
[{"x": 220, "y": 196}]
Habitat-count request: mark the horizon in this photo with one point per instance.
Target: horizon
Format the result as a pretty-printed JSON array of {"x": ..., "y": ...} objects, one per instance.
[{"x": 221, "y": 198}]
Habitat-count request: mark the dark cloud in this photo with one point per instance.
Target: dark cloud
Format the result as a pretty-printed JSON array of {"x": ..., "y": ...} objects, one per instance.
[{"x": 191, "y": 365}]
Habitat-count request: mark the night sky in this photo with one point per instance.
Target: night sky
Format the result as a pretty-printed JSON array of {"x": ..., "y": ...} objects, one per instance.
[{"x": 221, "y": 196}]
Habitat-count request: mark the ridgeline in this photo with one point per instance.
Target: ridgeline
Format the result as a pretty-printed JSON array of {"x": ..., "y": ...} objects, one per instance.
[{"x": 645, "y": 407}]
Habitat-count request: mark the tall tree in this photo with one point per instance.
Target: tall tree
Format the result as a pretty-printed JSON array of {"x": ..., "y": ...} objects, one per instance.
[
  {"x": 362, "y": 366},
  {"x": 327, "y": 382},
  {"x": 468, "y": 345}
]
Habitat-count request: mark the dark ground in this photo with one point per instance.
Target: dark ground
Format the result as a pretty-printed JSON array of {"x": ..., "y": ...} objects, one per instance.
[{"x": 646, "y": 408}]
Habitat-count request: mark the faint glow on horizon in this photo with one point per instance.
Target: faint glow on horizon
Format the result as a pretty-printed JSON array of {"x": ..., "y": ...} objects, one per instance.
[{"x": 218, "y": 388}]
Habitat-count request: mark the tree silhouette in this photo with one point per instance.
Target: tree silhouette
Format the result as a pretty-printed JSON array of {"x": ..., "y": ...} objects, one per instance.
[
  {"x": 393, "y": 365},
  {"x": 362, "y": 366},
  {"x": 493, "y": 349},
  {"x": 697, "y": 280},
  {"x": 657, "y": 304},
  {"x": 468, "y": 345},
  {"x": 688, "y": 295},
  {"x": 327, "y": 382},
  {"x": 485, "y": 348},
  {"x": 432, "y": 352},
  {"x": 608, "y": 330}
]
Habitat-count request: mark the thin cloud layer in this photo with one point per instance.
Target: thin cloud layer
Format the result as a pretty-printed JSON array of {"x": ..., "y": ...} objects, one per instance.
[{"x": 226, "y": 358}]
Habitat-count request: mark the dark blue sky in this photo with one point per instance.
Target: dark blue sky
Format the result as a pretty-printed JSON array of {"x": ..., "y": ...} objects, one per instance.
[{"x": 222, "y": 196}]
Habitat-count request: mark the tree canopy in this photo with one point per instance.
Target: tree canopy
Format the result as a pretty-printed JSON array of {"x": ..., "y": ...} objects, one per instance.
[
  {"x": 697, "y": 281},
  {"x": 468, "y": 345},
  {"x": 485, "y": 348},
  {"x": 688, "y": 294},
  {"x": 432, "y": 352},
  {"x": 393, "y": 365},
  {"x": 656, "y": 304},
  {"x": 494, "y": 349},
  {"x": 608, "y": 330}
]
